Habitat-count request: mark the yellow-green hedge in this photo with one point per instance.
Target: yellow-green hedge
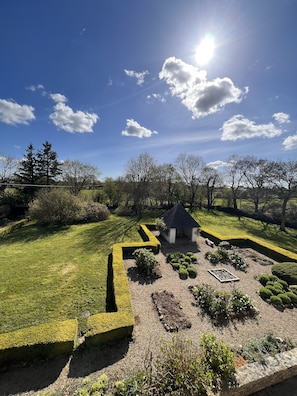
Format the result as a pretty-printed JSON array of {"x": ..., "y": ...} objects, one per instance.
[
  {"x": 112, "y": 326},
  {"x": 274, "y": 252},
  {"x": 12, "y": 227},
  {"x": 43, "y": 341}
]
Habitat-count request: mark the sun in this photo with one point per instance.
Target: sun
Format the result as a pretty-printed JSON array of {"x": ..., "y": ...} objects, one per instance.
[{"x": 205, "y": 51}]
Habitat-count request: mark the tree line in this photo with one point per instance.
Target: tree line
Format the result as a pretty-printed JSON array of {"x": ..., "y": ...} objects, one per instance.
[{"x": 263, "y": 188}]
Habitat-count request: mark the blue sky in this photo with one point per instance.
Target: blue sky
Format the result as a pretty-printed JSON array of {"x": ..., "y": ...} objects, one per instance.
[{"x": 107, "y": 80}]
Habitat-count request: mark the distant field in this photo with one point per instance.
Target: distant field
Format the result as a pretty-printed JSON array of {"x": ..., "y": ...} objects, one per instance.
[
  {"x": 57, "y": 274},
  {"x": 225, "y": 225}
]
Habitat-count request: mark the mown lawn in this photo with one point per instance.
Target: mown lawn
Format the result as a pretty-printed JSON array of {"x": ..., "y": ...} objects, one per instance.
[
  {"x": 57, "y": 274},
  {"x": 227, "y": 225}
]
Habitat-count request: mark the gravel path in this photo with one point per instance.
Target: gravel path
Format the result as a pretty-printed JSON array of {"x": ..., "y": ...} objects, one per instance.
[{"x": 64, "y": 376}]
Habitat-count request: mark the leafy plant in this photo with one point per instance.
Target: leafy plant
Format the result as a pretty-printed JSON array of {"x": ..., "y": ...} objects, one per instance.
[
  {"x": 96, "y": 388},
  {"x": 145, "y": 260}
]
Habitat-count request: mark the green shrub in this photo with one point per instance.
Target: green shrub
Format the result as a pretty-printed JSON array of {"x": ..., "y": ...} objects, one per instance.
[
  {"x": 212, "y": 257},
  {"x": 263, "y": 279},
  {"x": 95, "y": 388},
  {"x": 292, "y": 296},
  {"x": 217, "y": 360},
  {"x": 273, "y": 278},
  {"x": 145, "y": 260},
  {"x": 183, "y": 273},
  {"x": 275, "y": 291},
  {"x": 265, "y": 293},
  {"x": 93, "y": 211},
  {"x": 286, "y": 271},
  {"x": 175, "y": 266},
  {"x": 133, "y": 385},
  {"x": 283, "y": 283},
  {"x": 192, "y": 271},
  {"x": 285, "y": 298},
  {"x": 276, "y": 300},
  {"x": 57, "y": 206}
]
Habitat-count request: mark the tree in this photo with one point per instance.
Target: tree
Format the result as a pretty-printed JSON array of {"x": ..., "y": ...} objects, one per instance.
[
  {"x": 234, "y": 178},
  {"x": 8, "y": 166},
  {"x": 255, "y": 175},
  {"x": 48, "y": 167},
  {"x": 283, "y": 178},
  {"x": 189, "y": 167},
  {"x": 210, "y": 177},
  {"x": 27, "y": 172},
  {"x": 138, "y": 175},
  {"x": 164, "y": 184},
  {"x": 78, "y": 175}
]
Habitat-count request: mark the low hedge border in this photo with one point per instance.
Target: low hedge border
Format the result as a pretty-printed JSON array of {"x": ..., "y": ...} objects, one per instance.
[
  {"x": 43, "y": 341},
  {"x": 60, "y": 338},
  {"x": 113, "y": 326},
  {"x": 274, "y": 252},
  {"x": 18, "y": 224}
]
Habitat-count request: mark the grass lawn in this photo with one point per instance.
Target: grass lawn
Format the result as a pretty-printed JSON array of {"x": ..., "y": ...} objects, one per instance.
[
  {"x": 57, "y": 274},
  {"x": 226, "y": 225}
]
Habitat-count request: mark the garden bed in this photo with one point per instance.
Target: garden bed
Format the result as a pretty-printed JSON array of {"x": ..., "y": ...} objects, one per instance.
[{"x": 223, "y": 275}]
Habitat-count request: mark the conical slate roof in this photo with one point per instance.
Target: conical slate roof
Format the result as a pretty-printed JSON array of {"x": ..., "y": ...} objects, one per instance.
[{"x": 178, "y": 217}]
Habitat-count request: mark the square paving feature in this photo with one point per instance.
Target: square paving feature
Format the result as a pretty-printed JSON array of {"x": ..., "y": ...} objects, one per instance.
[{"x": 223, "y": 275}]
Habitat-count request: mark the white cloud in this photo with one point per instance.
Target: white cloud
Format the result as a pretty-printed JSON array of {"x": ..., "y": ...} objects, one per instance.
[
  {"x": 12, "y": 113},
  {"x": 290, "y": 142},
  {"x": 282, "y": 118},
  {"x": 73, "y": 121},
  {"x": 155, "y": 96},
  {"x": 239, "y": 127},
  {"x": 34, "y": 88},
  {"x": 218, "y": 164},
  {"x": 140, "y": 76},
  {"x": 200, "y": 96},
  {"x": 134, "y": 129},
  {"x": 58, "y": 98}
]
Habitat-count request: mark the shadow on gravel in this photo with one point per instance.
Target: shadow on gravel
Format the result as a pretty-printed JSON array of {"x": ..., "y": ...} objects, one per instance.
[
  {"x": 32, "y": 377},
  {"x": 88, "y": 360}
]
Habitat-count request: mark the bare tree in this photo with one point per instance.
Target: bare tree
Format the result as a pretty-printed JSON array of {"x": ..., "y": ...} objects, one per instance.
[
  {"x": 234, "y": 175},
  {"x": 283, "y": 178},
  {"x": 79, "y": 175},
  {"x": 189, "y": 167},
  {"x": 164, "y": 184},
  {"x": 210, "y": 179},
  {"x": 255, "y": 175},
  {"x": 8, "y": 166},
  {"x": 138, "y": 175}
]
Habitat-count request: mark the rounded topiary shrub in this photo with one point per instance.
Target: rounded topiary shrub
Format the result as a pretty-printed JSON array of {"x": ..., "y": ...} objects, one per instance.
[
  {"x": 285, "y": 298},
  {"x": 263, "y": 279},
  {"x": 273, "y": 278},
  {"x": 175, "y": 266},
  {"x": 286, "y": 271},
  {"x": 283, "y": 283},
  {"x": 193, "y": 272},
  {"x": 293, "y": 297},
  {"x": 276, "y": 300},
  {"x": 183, "y": 273},
  {"x": 273, "y": 289},
  {"x": 265, "y": 293}
]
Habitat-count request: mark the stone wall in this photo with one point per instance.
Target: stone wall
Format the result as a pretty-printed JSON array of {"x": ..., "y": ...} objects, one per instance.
[{"x": 254, "y": 377}]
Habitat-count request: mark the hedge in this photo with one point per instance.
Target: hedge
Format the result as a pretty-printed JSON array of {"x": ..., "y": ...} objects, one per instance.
[
  {"x": 43, "y": 341},
  {"x": 112, "y": 326},
  {"x": 12, "y": 227},
  {"x": 274, "y": 252},
  {"x": 286, "y": 272}
]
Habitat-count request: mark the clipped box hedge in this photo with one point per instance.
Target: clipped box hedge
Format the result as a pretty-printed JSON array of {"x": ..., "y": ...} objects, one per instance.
[
  {"x": 113, "y": 326},
  {"x": 274, "y": 252},
  {"x": 43, "y": 341},
  {"x": 12, "y": 227}
]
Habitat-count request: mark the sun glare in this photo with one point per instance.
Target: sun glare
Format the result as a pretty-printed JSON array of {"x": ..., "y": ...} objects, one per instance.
[{"x": 205, "y": 51}]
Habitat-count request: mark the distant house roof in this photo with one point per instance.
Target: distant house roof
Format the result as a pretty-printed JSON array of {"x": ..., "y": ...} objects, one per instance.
[{"x": 178, "y": 217}]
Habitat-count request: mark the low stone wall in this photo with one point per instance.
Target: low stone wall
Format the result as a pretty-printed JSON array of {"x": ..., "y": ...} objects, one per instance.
[{"x": 255, "y": 377}]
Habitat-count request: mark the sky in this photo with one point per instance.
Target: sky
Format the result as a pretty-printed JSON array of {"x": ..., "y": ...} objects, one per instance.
[{"x": 106, "y": 80}]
